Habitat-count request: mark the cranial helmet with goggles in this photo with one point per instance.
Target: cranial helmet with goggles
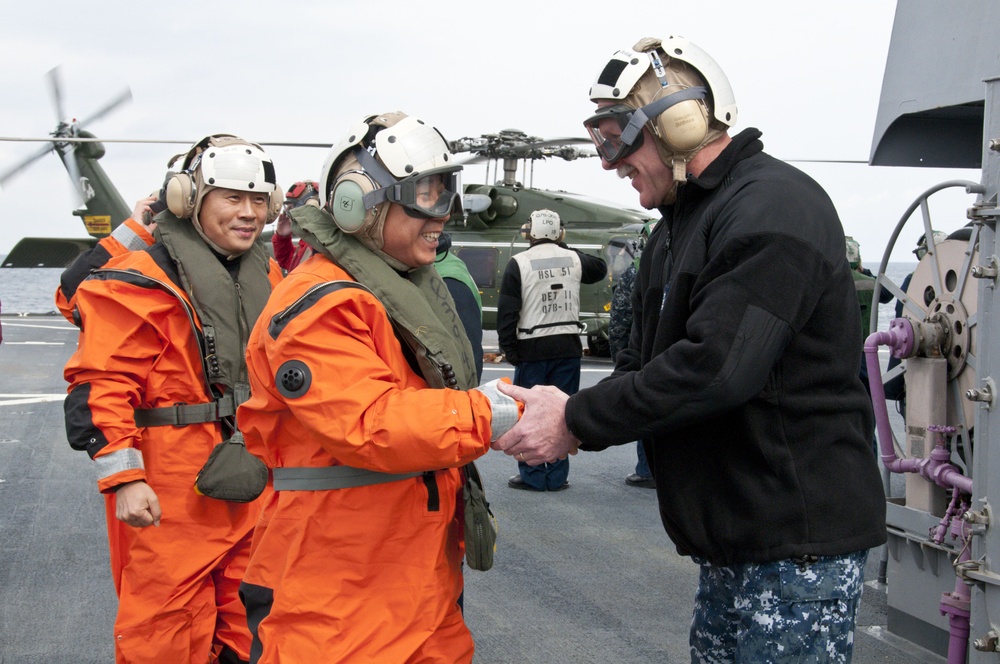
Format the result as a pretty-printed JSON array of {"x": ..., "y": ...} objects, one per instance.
[
  {"x": 302, "y": 193},
  {"x": 389, "y": 158},
  {"x": 673, "y": 86}
]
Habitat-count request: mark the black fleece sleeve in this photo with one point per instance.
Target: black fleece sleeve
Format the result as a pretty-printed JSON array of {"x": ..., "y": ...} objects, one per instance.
[
  {"x": 594, "y": 268},
  {"x": 743, "y": 310},
  {"x": 509, "y": 311}
]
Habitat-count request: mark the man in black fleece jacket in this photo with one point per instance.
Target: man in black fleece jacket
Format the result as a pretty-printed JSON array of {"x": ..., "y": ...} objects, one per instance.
[{"x": 741, "y": 371}]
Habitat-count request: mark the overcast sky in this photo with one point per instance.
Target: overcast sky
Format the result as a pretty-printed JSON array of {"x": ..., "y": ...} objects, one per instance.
[{"x": 806, "y": 74}]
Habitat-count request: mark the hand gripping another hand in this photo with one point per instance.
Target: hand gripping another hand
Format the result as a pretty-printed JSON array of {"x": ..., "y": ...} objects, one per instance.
[
  {"x": 506, "y": 411},
  {"x": 540, "y": 435}
]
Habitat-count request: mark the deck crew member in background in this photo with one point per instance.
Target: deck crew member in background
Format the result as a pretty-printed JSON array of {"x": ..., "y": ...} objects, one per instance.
[
  {"x": 465, "y": 292},
  {"x": 741, "y": 371},
  {"x": 619, "y": 329},
  {"x": 358, "y": 556},
  {"x": 538, "y": 324},
  {"x": 288, "y": 253},
  {"x": 864, "y": 284},
  {"x": 864, "y": 287},
  {"x": 154, "y": 386}
]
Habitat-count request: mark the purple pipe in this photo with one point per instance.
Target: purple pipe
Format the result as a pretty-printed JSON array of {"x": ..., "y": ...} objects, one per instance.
[
  {"x": 937, "y": 467},
  {"x": 957, "y": 604}
]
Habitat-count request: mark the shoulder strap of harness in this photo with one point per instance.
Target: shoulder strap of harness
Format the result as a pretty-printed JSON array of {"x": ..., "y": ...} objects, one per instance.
[{"x": 179, "y": 414}]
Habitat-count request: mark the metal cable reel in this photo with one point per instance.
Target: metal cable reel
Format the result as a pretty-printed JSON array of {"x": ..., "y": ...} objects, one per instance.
[{"x": 940, "y": 303}]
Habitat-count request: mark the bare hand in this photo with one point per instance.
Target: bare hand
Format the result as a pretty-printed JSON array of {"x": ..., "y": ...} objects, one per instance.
[
  {"x": 284, "y": 223},
  {"x": 137, "y": 505},
  {"x": 541, "y": 435},
  {"x": 143, "y": 213}
]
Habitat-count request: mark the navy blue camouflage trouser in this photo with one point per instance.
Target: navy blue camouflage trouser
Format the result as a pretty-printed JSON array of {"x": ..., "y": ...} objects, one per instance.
[{"x": 784, "y": 611}]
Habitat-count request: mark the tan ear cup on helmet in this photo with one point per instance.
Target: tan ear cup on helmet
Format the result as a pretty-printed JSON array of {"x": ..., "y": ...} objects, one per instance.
[
  {"x": 684, "y": 126},
  {"x": 181, "y": 193},
  {"x": 274, "y": 203},
  {"x": 347, "y": 203}
]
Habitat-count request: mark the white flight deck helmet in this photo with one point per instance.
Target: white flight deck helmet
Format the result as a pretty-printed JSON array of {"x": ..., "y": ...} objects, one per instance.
[
  {"x": 672, "y": 85},
  {"x": 220, "y": 161},
  {"x": 544, "y": 225},
  {"x": 384, "y": 159},
  {"x": 921, "y": 250}
]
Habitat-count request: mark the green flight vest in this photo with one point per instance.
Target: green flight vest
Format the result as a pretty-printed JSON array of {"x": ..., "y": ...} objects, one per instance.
[{"x": 452, "y": 267}]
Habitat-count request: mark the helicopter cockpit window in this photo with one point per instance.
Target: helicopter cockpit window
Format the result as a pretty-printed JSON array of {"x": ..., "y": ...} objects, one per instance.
[
  {"x": 619, "y": 254},
  {"x": 482, "y": 264}
]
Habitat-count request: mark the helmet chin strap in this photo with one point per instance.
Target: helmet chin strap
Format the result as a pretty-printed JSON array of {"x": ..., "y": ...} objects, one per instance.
[
  {"x": 680, "y": 177},
  {"x": 678, "y": 162}
]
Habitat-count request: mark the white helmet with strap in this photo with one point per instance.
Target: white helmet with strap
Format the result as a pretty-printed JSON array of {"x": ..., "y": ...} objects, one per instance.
[
  {"x": 221, "y": 161},
  {"x": 671, "y": 85},
  {"x": 389, "y": 158}
]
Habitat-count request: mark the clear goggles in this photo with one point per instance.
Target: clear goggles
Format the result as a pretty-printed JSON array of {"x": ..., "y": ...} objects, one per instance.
[
  {"x": 432, "y": 194},
  {"x": 617, "y": 129},
  {"x": 607, "y": 128}
]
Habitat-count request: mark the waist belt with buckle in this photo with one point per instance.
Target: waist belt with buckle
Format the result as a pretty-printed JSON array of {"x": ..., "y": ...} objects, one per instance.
[{"x": 324, "y": 478}]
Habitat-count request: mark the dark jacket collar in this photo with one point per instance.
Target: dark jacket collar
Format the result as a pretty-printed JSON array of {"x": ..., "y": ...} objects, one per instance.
[{"x": 745, "y": 144}]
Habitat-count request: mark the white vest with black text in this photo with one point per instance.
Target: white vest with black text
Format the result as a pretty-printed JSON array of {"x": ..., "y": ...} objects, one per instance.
[{"x": 550, "y": 291}]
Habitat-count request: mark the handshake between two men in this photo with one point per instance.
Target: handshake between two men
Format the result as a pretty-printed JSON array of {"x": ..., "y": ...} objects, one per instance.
[{"x": 540, "y": 434}]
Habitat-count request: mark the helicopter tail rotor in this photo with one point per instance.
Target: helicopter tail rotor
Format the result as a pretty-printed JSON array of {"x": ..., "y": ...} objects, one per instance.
[
  {"x": 55, "y": 89},
  {"x": 20, "y": 166},
  {"x": 66, "y": 130}
]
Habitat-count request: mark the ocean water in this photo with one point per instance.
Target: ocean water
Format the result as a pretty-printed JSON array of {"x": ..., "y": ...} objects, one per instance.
[
  {"x": 28, "y": 290},
  {"x": 31, "y": 291}
]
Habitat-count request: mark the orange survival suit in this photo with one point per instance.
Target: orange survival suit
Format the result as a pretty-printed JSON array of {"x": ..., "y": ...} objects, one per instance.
[
  {"x": 129, "y": 236},
  {"x": 369, "y": 573},
  {"x": 138, "y": 357}
]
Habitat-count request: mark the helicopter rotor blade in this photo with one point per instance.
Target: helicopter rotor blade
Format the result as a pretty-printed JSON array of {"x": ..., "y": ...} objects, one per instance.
[
  {"x": 11, "y": 172},
  {"x": 123, "y": 97},
  {"x": 55, "y": 87},
  {"x": 572, "y": 140},
  {"x": 151, "y": 141},
  {"x": 475, "y": 159}
]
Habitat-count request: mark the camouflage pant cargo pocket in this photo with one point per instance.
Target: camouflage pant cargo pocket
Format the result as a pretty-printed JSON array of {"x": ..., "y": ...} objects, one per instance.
[{"x": 786, "y": 611}]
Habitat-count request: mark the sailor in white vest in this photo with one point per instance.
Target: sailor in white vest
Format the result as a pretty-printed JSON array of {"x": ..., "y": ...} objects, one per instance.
[{"x": 538, "y": 324}]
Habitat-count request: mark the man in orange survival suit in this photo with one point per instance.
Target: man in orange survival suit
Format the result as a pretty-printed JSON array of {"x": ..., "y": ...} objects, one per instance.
[
  {"x": 153, "y": 388},
  {"x": 358, "y": 555}
]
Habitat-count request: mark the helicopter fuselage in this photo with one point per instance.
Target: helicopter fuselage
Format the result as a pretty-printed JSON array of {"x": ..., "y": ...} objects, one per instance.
[{"x": 487, "y": 240}]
